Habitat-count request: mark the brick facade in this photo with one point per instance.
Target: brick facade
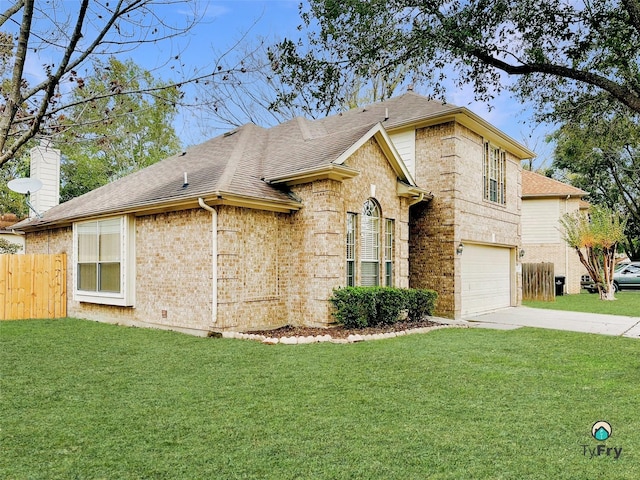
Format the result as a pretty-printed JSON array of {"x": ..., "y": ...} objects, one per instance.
[
  {"x": 274, "y": 247},
  {"x": 449, "y": 161},
  {"x": 273, "y": 269},
  {"x": 173, "y": 272}
]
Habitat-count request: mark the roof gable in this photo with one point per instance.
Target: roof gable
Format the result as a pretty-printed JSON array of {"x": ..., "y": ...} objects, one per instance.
[
  {"x": 413, "y": 110},
  {"x": 253, "y": 166},
  {"x": 536, "y": 185},
  {"x": 320, "y": 157}
]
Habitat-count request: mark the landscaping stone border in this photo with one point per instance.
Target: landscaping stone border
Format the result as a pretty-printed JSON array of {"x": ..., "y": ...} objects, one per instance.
[{"x": 353, "y": 338}]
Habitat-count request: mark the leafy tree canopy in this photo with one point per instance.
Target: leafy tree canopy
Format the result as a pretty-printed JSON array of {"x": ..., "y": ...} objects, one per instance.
[
  {"x": 594, "y": 237},
  {"x": 554, "y": 48},
  {"x": 104, "y": 137},
  {"x": 7, "y": 247},
  {"x": 599, "y": 151},
  {"x": 12, "y": 202},
  {"x": 64, "y": 38}
]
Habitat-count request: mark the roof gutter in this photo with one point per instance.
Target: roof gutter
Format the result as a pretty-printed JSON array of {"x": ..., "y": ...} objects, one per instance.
[
  {"x": 415, "y": 194},
  {"x": 417, "y": 200},
  {"x": 149, "y": 208},
  {"x": 466, "y": 117},
  {"x": 214, "y": 260}
]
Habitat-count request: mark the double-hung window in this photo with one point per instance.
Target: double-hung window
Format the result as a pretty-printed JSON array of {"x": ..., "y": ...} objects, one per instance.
[
  {"x": 388, "y": 252},
  {"x": 104, "y": 266},
  {"x": 494, "y": 174},
  {"x": 351, "y": 249}
]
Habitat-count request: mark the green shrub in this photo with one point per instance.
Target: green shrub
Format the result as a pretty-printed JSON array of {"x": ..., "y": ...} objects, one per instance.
[
  {"x": 420, "y": 303},
  {"x": 353, "y": 306},
  {"x": 359, "y": 307},
  {"x": 389, "y": 302},
  {"x": 9, "y": 247}
]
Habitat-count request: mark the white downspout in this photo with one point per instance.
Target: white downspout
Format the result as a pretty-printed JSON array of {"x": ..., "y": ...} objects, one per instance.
[
  {"x": 214, "y": 260},
  {"x": 416, "y": 200}
]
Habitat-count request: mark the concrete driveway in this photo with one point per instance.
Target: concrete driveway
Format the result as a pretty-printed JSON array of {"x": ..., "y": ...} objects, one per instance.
[{"x": 516, "y": 317}]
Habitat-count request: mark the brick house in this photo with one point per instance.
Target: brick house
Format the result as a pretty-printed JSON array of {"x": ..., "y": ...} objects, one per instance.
[
  {"x": 256, "y": 227},
  {"x": 544, "y": 202}
]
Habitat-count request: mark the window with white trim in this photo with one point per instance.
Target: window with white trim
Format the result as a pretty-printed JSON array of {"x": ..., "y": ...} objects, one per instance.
[
  {"x": 388, "y": 252},
  {"x": 364, "y": 259},
  {"x": 104, "y": 265},
  {"x": 370, "y": 244},
  {"x": 494, "y": 174},
  {"x": 351, "y": 249}
]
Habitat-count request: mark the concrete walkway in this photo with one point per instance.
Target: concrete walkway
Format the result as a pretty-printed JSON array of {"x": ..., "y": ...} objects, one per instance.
[{"x": 516, "y": 317}]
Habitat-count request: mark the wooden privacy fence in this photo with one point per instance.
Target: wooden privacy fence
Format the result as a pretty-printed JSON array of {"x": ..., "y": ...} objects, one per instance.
[
  {"x": 33, "y": 286},
  {"x": 538, "y": 282}
]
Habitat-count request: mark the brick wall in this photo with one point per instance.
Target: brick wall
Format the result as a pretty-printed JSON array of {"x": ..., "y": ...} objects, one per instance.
[
  {"x": 278, "y": 269},
  {"x": 449, "y": 163},
  {"x": 273, "y": 269},
  {"x": 319, "y": 263},
  {"x": 250, "y": 269},
  {"x": 173, "y": 272},
  {"x": 432, "y": 237}
]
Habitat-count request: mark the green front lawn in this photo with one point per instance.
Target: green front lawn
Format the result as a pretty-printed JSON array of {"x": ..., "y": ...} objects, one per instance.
[
  {"x": 85, "y": 400},
  {"x": 627, "y": 303}
]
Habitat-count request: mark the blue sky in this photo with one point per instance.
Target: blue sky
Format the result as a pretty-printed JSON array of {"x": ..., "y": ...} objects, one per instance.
[{"x": 224, "y": 23}]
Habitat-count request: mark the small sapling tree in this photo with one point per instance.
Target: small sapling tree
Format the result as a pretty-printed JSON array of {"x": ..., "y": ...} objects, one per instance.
[{"x": 595, "y": 236}]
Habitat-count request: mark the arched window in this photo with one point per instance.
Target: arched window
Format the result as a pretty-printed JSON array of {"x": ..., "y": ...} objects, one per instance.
[{"x": 370, "y": 244}]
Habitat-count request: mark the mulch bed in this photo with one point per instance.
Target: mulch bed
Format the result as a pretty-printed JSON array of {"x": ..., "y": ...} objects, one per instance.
[{"x": 338, "y": 331}]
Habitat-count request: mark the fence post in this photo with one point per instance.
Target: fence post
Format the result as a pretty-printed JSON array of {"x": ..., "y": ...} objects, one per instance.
[
  {"x": 33, "y": 286},
  {"x": 538, "y": 282}
]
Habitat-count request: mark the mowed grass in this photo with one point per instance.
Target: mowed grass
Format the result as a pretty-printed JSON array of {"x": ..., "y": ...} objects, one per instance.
[
  {"x": 82, "y": 400},
  {"x": 627, "y": 303}
]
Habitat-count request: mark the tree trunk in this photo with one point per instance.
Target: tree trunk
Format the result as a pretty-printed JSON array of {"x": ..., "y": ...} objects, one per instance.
[{"x": 607, "y": 292}]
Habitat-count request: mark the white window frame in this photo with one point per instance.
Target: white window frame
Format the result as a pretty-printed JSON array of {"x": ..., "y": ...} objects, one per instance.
[
  {"x": 389, "y": 226},
  {"x": 369, "y": 242},
  {"x": 352, "y": 220},
  {"x": 126, "y": 296},
  {"x": 494, "y": 174}
]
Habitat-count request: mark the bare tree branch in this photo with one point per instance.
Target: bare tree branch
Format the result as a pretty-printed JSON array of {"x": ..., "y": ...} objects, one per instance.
[
  {"x": 15, "y": 98},
  {"x": 616, "y": 90},
  {"x": 91, "y": 28},
  {"x": 9, "y": 12}
]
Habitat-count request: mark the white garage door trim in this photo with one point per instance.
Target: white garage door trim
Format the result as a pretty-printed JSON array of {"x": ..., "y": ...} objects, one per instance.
[{"x": 486, "y": 278}]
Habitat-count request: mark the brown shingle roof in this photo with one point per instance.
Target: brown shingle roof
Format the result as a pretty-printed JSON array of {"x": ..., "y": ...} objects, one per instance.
[
  {"x": 242, "y": 161},
  {"x": 393, "y": 113},
  {"x": 536, "y": 185}
]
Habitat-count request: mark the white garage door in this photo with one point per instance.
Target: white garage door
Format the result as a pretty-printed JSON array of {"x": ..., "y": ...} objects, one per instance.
[{"x": 486, "y": 278}]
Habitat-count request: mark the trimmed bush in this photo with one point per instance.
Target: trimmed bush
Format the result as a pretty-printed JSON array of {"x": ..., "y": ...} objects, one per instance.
[
  {"x": 353, "y": 306},
  {"x": 420, "y": 303},
  {"x": 390, "y": 302},
  {"x": 359, "y": 307}
]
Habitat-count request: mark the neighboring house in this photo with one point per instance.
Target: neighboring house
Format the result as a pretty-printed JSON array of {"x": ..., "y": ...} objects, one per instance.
[
  {"x": 7, "y": 233},
  {"x": 255, "y": 228},
  {"x": 544, "y": 202}
]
